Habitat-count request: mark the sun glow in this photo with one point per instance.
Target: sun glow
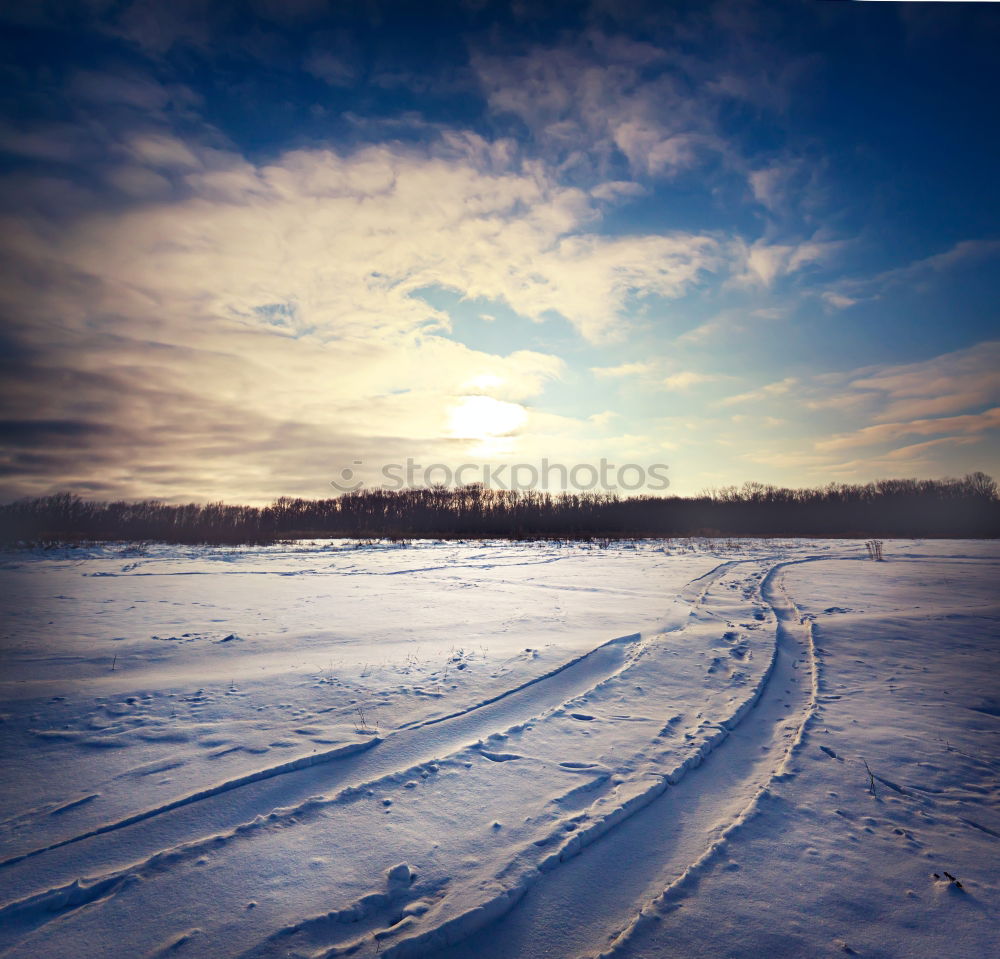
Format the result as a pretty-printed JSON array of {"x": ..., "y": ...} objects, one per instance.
[{"x": 484, "y": 418}]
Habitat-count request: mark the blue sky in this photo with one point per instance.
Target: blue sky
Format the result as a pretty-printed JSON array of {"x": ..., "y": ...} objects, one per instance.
[{"x": 248, "y": 244}]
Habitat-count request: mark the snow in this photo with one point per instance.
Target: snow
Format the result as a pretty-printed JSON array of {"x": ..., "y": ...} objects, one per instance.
[{"x": 498, "y": 749}]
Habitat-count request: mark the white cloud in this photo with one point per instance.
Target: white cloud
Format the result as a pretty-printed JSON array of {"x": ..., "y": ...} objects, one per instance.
[
  {"x": 604, "y": 419},
  {"x": 686, "y": 379},
  {"x": 882, "y": 406},
  {"x": 348, "y": 239},
  {"x": 601, "y": 98},
  {"x": 623, "y": 370},
  {"x": 915, "y": 450},
  {"x": 768, "y": 185},
  {"x": 767, "y": 392},
  {"x": 617, "y": 189},
  {"x": 161, "y": 151},
  {"x": 262, "y": 327},
  {"x": 954, "y": 426},
  {"x": 944, "y": 384},
  {"x": 765, "y": 262},
  {"x": 837, "y": 300}
]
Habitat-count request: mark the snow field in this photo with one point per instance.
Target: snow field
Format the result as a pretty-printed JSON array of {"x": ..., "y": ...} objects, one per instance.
[{"x": 570, "y": 794}]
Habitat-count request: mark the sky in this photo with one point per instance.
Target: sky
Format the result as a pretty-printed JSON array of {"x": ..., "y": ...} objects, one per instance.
[{"x": 281, "y": 247}]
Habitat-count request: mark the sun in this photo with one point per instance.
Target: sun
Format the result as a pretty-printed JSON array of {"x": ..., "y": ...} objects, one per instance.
[{"x": 484, "y": 418}]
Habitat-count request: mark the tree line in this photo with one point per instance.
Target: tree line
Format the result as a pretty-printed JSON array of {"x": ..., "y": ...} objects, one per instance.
[{"x": 961, "y": 508}]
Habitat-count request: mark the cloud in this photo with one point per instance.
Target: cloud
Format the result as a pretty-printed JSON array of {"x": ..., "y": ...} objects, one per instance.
[
  {"x": 347, "y": 239},
  {"x": 260, "y": 324},
  {"x": 967, "y": 251},
  {"x": 623, "y": 370},
  {"x": 944, "y": 384},
  {"x": 837, "y": 300},
  {"x": 649, "y": 371},
  {"x": 765, "y": 262},
  {"x": 916, "y": 450},
  {"x": 603, "y": 419},
  {"x": 686, "y": 379},
  {"x": 768, "y": 392},
  {"x": 161, "y": 151},
  {"x": 198, "y": 316},
  {"x": 724, "y": 325},
  {"x": 886, "y": 405},
  {"x": 792, "y": 186},
  {"x": 617, "y": 189},
  {"x": 602, "y": 100},
  {"x": 334, "y": 70},
  {"x": 954, "y": 426},
  {"x": 918, "y": 273},
  {"x": 126, "y": 89},
  {"x": 768, "y": 185}
]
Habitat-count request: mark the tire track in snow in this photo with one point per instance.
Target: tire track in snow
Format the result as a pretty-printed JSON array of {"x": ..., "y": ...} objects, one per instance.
[
  {"x": 505, "y": 891},
  {"x": 420, "y": 724},
  {"x": 312, "y": 759},
  {"x": 657, "y": 855},
  {"x": 399, "y": 752},
  {"x": 794, "y": 629},
  {"x": 422, "y": 744},
  {"x": 301, "y": 762}
]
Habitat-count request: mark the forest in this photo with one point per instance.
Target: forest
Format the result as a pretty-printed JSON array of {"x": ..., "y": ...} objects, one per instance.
[{"x": 959, "y": 508}]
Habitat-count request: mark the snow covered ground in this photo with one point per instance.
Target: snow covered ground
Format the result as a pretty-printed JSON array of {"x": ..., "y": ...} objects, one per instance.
[{"x": 686, "y": 748}]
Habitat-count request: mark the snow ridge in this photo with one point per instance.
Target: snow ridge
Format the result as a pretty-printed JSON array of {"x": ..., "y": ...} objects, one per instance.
[
  {"x": 790, "y": 623},
  {"x": 301, "y": 762}
]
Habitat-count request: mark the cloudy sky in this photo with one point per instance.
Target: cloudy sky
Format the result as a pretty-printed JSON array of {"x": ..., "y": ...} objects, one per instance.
[{"x": 248, "y": 244}]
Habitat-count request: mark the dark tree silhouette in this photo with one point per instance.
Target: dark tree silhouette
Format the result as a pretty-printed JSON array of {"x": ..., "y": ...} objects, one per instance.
[{"x": 968, "y": 507}]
